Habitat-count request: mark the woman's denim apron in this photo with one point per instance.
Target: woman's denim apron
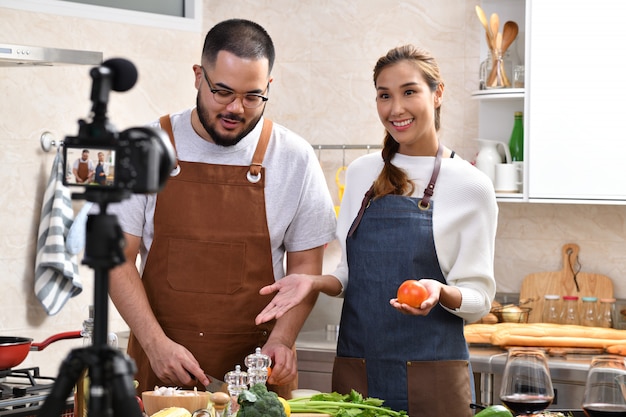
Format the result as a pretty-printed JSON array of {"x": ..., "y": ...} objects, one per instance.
[{"x": 415, "y": 363}]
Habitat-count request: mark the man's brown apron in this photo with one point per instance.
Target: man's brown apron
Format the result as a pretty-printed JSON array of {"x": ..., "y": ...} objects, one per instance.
[
  {"x": 83, "y": 171},
  {"x": 210, "y": 255}
]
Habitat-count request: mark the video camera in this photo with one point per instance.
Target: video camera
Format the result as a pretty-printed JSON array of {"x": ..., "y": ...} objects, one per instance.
[
  {"x": 114, "y": 164},
  {"x": 139, "y": 160}
]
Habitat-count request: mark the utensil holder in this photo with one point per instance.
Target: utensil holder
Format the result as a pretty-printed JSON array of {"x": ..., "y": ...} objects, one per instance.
[{"x": 498, "y": 77}]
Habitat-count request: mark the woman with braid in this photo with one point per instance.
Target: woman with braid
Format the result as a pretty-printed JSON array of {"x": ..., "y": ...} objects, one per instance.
[{"x": 428, "y": 215}]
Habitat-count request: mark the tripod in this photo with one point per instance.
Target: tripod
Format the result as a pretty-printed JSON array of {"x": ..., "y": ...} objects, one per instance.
[{"x": 111, "y": 391}]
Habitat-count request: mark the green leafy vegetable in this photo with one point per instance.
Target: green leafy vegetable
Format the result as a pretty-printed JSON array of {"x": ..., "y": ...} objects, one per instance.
[
  {"x": 339, "y": 405},
  {"x": 259, "y": 402},
  {"x": 495, "y": 411}
]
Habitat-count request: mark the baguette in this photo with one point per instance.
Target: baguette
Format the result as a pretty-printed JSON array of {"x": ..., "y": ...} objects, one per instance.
[
  {"x": 479, "y": 333},
  {"x": 548, "y": 341},
  {"x": 546, "y": 335},
  {"x": 558, "y": 335},
  {"x": 618, "y": 349},
  {"x": 482, "y": 332}
]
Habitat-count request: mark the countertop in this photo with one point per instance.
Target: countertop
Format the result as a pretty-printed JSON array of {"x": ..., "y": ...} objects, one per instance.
[
  {"x": 570, "y": 367},
  {"x": 318, "y": 340},
  {"x": 484, "y": 359}
]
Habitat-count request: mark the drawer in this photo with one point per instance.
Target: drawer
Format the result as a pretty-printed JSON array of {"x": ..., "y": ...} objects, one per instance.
[
  {"x": 315, "y": 369},
  {"x": 321, "y": 381},
  {"x": 315, "y": 361}
]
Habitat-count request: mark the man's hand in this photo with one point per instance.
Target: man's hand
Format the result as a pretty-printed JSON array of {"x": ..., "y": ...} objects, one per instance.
[
  {"x": 284, "y": 363},
  {"x": 174, "y": 364}
]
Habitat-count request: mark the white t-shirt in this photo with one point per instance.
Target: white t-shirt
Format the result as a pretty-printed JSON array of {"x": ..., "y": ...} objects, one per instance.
[
  {"x": 299, "y": 208},
  {"x": 465, "y": 216}
]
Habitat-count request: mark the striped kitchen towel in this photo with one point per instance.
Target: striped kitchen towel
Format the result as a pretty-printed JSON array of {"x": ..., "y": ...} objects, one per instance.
[{"x": 56, "y": 269}]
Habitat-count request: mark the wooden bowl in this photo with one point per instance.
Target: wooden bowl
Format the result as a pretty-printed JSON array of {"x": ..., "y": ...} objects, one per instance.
[{"x": 188, "y": 399}]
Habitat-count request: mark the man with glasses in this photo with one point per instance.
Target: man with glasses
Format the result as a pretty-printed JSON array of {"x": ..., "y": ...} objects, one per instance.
[{"x": 247, "y": 204}]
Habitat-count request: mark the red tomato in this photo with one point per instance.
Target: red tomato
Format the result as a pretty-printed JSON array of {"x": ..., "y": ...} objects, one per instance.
[{"x": 412, "y": 292}]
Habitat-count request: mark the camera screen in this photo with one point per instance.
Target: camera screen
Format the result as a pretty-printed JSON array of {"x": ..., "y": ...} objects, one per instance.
[{"x": 89, "y": 166}]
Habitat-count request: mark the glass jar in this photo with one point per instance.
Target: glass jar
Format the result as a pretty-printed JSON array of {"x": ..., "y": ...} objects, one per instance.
[
  {"x": 606, "y": 312},
  {"x": 518, "y": 76},
  {"x": 589, "y": 316},
  {"x": 483, "y": 72},
  {"x": 569, "y": 310},
  {"x": 486, "y": 66},
  {"x": 551, "y": 310}
]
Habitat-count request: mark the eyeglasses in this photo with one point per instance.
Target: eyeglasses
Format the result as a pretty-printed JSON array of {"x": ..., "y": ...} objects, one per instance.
[{"x": 225, "y": 96}]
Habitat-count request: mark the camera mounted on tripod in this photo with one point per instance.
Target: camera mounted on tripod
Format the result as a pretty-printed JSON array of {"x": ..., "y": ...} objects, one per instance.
[{"x": 138, "y": 159}]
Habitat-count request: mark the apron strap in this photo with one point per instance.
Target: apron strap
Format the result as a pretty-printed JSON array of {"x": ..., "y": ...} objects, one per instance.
[
  {"x": 364, "y": 204},
  {"x": 259, "y": 153},
  {"x": 430, "y": 188},
  {"x": 424, "y": 204},
  {"x": 166, "y": 125}
]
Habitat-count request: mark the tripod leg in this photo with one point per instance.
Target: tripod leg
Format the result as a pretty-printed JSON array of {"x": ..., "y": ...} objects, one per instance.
[
  {"x": 69, "y": 373},
  {"x": 112, "y": 392},
  {"x": 124, "y": 402}
]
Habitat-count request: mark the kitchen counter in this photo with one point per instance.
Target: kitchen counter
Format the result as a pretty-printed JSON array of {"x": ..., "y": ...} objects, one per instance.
[
  {"x": 484, "y": 359},
  {"x": 318, "y": 340},
  {"x": 569, "y": 367}
]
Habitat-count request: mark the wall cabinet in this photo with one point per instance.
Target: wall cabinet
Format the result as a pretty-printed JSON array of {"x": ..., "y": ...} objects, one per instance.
[{"x": 573, "y": 101}]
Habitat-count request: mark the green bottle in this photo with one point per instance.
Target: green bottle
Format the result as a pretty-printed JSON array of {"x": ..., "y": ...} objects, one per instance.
[{"x": 516, "y": 144}]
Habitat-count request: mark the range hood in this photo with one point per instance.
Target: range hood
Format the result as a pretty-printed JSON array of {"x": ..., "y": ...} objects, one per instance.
[{"x": 22, "y": 55}]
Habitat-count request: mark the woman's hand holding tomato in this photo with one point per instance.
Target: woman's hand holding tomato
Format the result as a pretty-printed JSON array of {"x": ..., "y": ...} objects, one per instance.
[{"x": 424, "y": 294}]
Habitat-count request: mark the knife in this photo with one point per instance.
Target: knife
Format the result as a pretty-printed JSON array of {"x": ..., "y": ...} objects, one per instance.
[{"x": 216, "y": 385}]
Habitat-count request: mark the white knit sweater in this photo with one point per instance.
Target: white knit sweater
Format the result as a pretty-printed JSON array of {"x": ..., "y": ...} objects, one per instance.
[{"x": 464, "y": 222}]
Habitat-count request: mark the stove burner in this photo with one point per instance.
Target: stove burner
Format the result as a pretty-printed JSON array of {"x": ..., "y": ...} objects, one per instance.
[
  {"x": 32, "y": 375},
  {"x": 23, "y": 392},
  {"x": 21, "y": 382}
]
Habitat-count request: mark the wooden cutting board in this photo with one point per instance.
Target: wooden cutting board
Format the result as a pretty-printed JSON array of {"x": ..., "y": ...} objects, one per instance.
[{"x": 538, "y": 284}]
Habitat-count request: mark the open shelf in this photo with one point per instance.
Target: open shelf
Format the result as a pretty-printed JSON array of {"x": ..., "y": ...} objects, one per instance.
[{"x": 498, "y": 93}]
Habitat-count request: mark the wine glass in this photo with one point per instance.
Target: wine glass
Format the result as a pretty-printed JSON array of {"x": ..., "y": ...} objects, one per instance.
[
  {"x": 605, "y": 387},
  {"x": 526, "y": 383}
]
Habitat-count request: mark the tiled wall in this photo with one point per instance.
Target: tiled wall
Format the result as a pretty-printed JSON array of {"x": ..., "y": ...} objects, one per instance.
[{"x": 322, "y": 89}]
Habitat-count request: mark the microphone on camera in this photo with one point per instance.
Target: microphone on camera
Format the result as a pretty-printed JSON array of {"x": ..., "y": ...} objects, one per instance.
[
  {"x": 124, "y": 74},
  {"x": 116, "y": 74}
]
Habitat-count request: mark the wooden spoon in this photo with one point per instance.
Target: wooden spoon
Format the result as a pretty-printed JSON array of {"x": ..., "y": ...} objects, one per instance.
[
  {"x": 483, "y": 19},
  {"x": 497, "y": 67},
  {"x": 494, "y": 22},
  {"x": 509, "y": 33}
]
